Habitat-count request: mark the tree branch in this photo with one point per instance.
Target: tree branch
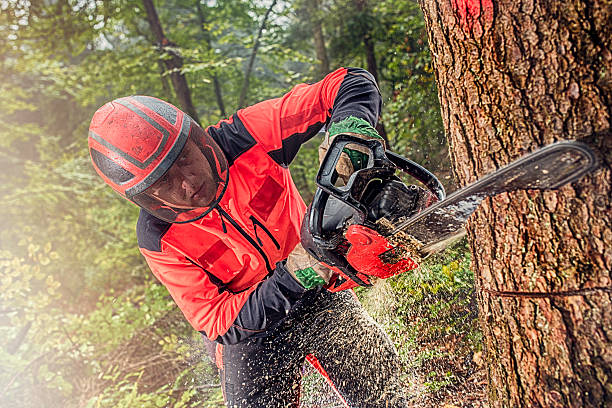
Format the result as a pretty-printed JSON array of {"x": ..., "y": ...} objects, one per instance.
[{"x": 247, "y": 74}]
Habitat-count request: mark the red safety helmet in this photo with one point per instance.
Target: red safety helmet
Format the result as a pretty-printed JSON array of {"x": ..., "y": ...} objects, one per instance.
[{"x": 156, "y": 156}]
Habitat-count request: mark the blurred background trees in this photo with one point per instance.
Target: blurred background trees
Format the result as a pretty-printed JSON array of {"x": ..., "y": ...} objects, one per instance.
[{"x": 82, "y": 321}]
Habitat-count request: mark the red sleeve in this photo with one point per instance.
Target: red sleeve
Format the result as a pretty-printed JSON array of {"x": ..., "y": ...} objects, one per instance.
[
  {"x": 207, "y": 308},
  {"x": 283, "y": 124},
  {"x": 220, "y": 314}
]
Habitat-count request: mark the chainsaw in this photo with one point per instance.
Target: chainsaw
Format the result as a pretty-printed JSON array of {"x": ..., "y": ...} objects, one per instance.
[{"x": 374, "y": 226}]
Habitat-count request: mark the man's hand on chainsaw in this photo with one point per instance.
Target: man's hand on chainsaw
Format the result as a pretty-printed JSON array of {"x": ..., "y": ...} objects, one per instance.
[
  {"x": 307, "y": 270},
  {"x": 355, "y": 157}
]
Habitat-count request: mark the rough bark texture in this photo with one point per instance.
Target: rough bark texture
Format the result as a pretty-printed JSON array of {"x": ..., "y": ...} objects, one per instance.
[{"x": 512, "y": 76}]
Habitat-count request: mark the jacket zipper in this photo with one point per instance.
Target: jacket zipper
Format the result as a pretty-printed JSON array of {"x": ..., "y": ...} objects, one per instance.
[
  {"x": 257, "y": 223},
  {"x": 242, "y": 232}
]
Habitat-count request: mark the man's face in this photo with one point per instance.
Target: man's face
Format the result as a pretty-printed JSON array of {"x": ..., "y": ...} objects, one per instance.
[{"x": 189, "y": 183}]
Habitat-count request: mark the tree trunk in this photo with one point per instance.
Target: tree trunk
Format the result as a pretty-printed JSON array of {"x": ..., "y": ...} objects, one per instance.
[
  {"x": 173, "y": 64},
  {"x": 216, "y": 83},
  {"x": 368, "y": 42},
  {"x": 219, "y": 95},
  {"x": 513, "y": 76},
  {"x": 312, "y": 12},
  {"x": 13, "y": 345},
  {"x": 370, "y": 54},
  {"x": 164, "y": 80},
  {"x": 320, "y": 49},
  {"x": 247, "y": 73}
]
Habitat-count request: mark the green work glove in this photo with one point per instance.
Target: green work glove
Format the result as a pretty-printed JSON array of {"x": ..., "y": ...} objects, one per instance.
[
  {"x": 308, "y": 278},
  {"x": 357, "y": 127},
  {"x": 307, "y": 270}
]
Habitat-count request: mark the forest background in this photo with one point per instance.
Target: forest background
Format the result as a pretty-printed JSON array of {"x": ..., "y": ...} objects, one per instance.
[{"x": 83, "y": 323}]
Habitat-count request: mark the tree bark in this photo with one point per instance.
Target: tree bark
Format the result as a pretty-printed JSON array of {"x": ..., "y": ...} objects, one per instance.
[
  {"x": 370, "y": 54},
  {"x": 164, "y": 80},
  {"x": 247, "y": 73},
  {"x": 368, "y": 42},
  {"x": 513, "y": 76},
  {"x": 173, "y": 64}
]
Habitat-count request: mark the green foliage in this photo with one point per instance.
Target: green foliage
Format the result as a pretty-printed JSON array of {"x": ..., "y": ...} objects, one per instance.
[
  {"x": 126, "y": 394},
  {"x": 438, "y": 297},
  {"x": 84, "y": 322},
  {"x": 431, "y": 315}
]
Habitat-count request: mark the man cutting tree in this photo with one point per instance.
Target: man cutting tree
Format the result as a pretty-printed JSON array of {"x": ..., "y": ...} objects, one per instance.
[{"x": 220, "y": 227}]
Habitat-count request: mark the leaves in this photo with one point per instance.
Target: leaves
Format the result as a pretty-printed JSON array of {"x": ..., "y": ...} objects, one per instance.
[{"x": 76, "y": 297}]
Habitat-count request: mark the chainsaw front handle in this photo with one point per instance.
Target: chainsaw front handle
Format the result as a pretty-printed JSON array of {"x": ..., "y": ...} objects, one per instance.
[{"x": 381, "y": 164}]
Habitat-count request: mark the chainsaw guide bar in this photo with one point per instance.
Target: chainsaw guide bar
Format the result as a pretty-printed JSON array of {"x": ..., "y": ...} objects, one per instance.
[{"x": 545, "y": 169}]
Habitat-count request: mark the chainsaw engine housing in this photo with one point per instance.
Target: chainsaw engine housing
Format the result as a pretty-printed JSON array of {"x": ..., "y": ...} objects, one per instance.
[{"x": 394, "y": 201}]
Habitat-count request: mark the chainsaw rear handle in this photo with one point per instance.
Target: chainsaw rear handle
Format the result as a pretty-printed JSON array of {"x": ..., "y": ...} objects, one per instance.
[
  {"x": 381, "y": 164},
  {"x": 322, "y": 246}
]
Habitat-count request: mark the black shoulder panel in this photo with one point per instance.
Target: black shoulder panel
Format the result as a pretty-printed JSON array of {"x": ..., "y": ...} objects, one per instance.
[
  {"x": 233, "y": 138},
  {"x": 358, "y": 96},
  {"x": 364, "y": 73},
  {"x": 150, "y": 230},
  {"x": 285, "y": 155}
]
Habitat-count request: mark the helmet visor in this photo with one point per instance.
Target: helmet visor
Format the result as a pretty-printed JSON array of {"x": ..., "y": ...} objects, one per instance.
[{"x": 192, "y": 185}]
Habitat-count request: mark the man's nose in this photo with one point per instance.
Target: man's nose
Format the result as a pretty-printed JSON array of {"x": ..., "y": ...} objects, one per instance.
[
  {"x": 190, "y": 185},
  {"x": 189, "y": 181}
]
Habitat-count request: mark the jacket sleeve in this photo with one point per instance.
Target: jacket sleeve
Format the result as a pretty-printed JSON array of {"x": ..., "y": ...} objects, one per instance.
[
  {"x": 213, "y": 309},
  {"x": 265, "y": 307},
  {"x": 282, "y": 125}
]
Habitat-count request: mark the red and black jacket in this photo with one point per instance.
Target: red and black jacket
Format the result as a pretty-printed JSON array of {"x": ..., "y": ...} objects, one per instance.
[{"x": 226, "y": 271}]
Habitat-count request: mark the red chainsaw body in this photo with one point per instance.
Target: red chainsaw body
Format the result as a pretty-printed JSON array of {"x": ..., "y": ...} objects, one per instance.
[{"x": 364, "y": 255}]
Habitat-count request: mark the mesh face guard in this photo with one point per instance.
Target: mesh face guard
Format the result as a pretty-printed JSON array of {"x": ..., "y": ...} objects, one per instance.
[
  {"x": 155, "y": 155},
  {"x": 193, "y": 184}
]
